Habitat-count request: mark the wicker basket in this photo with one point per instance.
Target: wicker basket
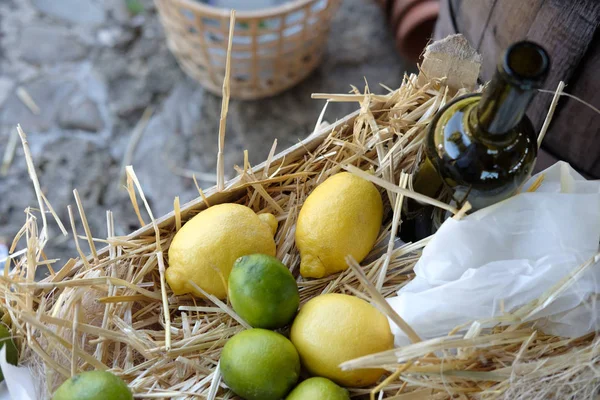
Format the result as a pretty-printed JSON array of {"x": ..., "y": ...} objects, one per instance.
[{"x": 273, "y": 49}]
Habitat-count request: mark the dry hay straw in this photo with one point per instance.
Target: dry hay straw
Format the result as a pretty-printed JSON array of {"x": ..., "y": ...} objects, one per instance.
[{"x": 112, "y": 310}]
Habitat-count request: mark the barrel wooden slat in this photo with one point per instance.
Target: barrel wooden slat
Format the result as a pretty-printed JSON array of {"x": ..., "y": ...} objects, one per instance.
[
  {"x": 508, "y": 22},
  {"x": 471, "y": 23},
  {"x": 566, "y": 29},
  {"x": 444, "y": 26},
  {"x": 581, "y": 146}
]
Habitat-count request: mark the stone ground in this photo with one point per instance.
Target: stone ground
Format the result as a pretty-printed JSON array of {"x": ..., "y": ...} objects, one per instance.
[{"x": 93, "y": 68}]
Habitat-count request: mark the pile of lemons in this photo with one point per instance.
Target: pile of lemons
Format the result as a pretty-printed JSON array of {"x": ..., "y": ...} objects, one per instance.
[{"x": 229, "y": 252}]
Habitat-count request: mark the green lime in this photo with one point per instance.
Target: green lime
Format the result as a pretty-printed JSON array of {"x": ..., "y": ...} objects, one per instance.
[
  {"x": 93, "y": 385},
  {"x": 258, "y": 364},
  {"x": 318, "y": 388},
  {"x": 263, "y": 291},
  {"x": 12, "y": 354}
]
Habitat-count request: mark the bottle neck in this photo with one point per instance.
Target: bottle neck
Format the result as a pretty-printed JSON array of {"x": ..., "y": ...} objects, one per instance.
[
  {"x": 520, "y": 73},
  {"x": 502, "y": 106}
]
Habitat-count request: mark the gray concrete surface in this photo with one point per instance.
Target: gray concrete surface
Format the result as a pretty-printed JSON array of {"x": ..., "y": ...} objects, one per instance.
[{"x": 93, "y": 68}]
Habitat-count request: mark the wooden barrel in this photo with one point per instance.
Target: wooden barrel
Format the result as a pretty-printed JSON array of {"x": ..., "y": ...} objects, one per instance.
[{"x": 568, "y": 30}]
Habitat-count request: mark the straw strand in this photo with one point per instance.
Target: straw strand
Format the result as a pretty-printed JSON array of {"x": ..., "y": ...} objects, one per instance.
[{"x": 225, "y": 107}]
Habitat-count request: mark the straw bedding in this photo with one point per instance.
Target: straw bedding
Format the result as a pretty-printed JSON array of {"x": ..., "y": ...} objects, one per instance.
[{"x": 113, "y": 310}]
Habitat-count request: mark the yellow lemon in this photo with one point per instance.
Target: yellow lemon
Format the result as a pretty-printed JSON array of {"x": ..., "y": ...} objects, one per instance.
[
  {"x": 341, "y": 217},
  {"x": 204, "y": 249},
  {"x": 333, "y": 328}
]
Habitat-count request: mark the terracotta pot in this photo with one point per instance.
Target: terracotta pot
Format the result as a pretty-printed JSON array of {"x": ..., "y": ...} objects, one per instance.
[
  {"x": 415, "y": 28},
  {"x": 412, "y": 23},
  {"x": 398, "y": 9}
]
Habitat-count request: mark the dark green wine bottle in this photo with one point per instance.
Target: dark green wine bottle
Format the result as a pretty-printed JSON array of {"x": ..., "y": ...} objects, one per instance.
[{"x": 482, "y": 147}]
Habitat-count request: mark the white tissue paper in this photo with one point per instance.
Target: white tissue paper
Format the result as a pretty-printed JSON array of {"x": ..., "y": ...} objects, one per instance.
[
  {"x": 508, "y": 255},
  {"x": 18, "y": 383}
]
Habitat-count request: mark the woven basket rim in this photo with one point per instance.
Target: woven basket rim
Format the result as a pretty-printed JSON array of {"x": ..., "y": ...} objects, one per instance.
[{"x": 275, "y": 11}]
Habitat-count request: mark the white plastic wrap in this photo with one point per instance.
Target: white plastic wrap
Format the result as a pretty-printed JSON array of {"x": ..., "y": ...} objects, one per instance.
[
  {"x": 18, "y": 383},
  {"x": 507, "y": 255}
]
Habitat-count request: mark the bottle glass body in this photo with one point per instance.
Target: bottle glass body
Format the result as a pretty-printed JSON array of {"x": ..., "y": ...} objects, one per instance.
[{"x": 475, "y": 168}]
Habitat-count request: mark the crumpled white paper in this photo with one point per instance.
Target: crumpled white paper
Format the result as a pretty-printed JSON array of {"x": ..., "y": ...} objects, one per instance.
[
  {"x": 18, "y": 383},
  {"x": 509, "y": 254}
]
